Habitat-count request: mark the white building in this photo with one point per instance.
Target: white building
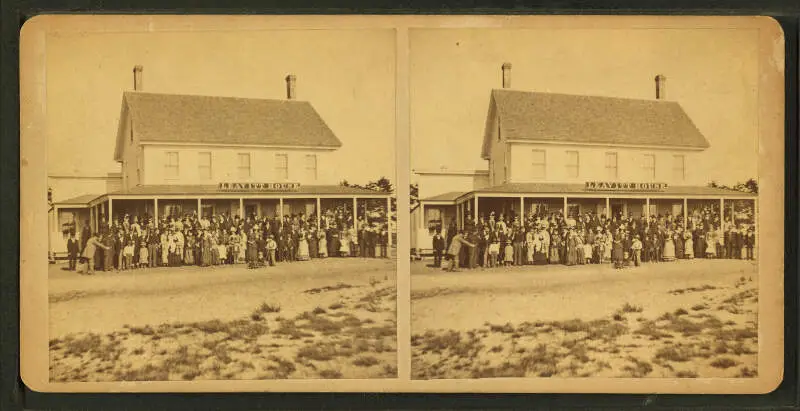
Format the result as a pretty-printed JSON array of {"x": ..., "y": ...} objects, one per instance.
[
  {"x": 574, "y": 153},
  {"x": 212, "y": 155}
]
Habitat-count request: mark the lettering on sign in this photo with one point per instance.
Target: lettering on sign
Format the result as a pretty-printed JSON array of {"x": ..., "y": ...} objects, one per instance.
[
  {"x": 259, "y": 186},
  {"x": 622, "y": 186}
]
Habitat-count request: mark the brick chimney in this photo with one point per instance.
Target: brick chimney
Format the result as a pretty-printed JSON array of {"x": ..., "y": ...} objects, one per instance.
[
  {"x": 661, "y": 87},
  {"x": 506, "y": 75},
  {"x": 137, "y": 78},
  {"x": 291, "y": 79}
]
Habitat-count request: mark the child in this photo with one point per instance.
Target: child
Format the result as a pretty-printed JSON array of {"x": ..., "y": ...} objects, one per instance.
[
  {"x": 637, "y": 250},
  {"x": 271, "y": 247},
  {"x": 494, "y": 251},
  {"x": 144, "y": 255},
  {"x": 128, "y": 255},
  {"x": 509, "y": 255},
  {"x": 72, "y": 248}
]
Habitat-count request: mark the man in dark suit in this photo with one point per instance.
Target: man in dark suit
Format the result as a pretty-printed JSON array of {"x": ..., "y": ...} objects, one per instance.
[
  {"x": 438, "y": 249},
  {"x": 73, "y": 248}
]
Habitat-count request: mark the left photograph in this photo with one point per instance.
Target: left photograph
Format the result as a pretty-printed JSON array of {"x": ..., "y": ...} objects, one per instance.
[{"x": 221, "y": 204}]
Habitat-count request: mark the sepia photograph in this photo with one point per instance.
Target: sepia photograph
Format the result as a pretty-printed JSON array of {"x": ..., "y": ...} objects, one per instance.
[
  {"x": 434, "y": 204},
  {"x": 221, "y": 205},
  {"x": 586, "y": 203}
]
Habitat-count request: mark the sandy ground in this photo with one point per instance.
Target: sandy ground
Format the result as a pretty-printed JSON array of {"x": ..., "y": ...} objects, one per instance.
[
  {"x": 685, "y": 319},
  {"x": 333, "y": 318}
]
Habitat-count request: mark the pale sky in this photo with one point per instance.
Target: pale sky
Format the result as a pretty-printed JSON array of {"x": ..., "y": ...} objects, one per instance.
[
  {"x": 712, "y": 73},
  {"x": 347, "y": 75}
]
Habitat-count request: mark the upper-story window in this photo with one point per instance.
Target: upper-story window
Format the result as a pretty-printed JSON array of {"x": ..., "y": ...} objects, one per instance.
[
  {"x": 311, "y": 167},
  {"x": 679, "y": 167},
  {"x": 538, "y": 164},
  {"x": 573, "y": 164},
  {"x": 649, "y": 166},
  {"x": 204, "y": 165},
  {"x": 282, "y": 166},
  {"x": 612, "y": 170},
  {"x": 244, "y": 165},
  {"x": 172, "y": 166}
]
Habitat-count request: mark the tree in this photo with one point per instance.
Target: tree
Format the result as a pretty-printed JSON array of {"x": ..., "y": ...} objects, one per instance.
[
  {"x": 749, "y": 186},
  {"x": 413, "y": 195},
  {"x": 382, "y": 185}
]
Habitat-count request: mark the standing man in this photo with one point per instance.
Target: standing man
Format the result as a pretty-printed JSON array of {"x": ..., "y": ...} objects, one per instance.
[
  {"x": 438, "y": 248},
  {"x": 455, "y": 249},
  {"x": 73, "y": 248},
  {"x": 85, "y": 234},
  {"x": 92, "y": 243}
]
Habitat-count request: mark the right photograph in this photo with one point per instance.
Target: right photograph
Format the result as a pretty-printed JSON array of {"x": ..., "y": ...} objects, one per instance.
[{"x": 584, "y": 202}]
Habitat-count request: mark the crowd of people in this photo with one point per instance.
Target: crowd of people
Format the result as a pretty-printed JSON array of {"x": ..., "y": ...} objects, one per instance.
[
  {"x": 133, "y": 241},
  {"x": 589, "y": 238}
]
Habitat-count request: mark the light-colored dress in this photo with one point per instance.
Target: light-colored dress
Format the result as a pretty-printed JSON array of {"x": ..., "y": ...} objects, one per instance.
[
  {"x": 322, "y": 244},
  {"x": 669, "y": 248},
  {"x": 302, "y": 247},
  {"x": 688, "y": 246},
  {"x": 344, "y": 244}
]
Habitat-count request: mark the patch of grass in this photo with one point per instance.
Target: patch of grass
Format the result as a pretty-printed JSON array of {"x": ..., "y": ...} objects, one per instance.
[
  {"x": 724, "y": 363},
  {"x": 318, "y": 311},
  {"x": 699, "y": 307},
  {"x": 686, "y": 374},
  {"x": 269, "y": 308},
  {"x": 649, "y": 329},
  {"x": 639, "y": 368},
  {"x": 147, "y": 373},
  {"x": 746, "y": 372},
  {"x": 680, "y": 311},
  {"x": 365, "y": 361},
  {"x": 289, "y": 328},
  {"x": 496, "y": 349},
  {"x": 505, "y": 329},
  {"x": 330, "y": 374},
  {"x": 318, "y": 352},
  {"x": 335, "y": 306},
  {"x": 676, "y": 353},
  {"x": 692, "y": 289},
  {"x": 80, "y": 345},
  {"x": 618, "y": 317},
  {"x": 282, "y": 369},
  {"x": 338, "y": 286},
  {"x": 628, "y": 308},
  {"x": 138, "y": 351}
]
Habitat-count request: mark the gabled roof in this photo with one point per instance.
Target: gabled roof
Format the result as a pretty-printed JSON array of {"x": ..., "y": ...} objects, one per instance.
[
  {"x": 551, "y": 117},
  {"x": 173, "y": 118}
]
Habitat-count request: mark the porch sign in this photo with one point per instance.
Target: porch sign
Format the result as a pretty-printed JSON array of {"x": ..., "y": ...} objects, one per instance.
[
  {"x": 259, "y": 187},
  {"x": 616, "y": 186}
]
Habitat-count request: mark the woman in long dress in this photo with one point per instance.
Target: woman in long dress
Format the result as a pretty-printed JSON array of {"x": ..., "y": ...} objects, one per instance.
[
  {"x": 677, "y": 239},
  {"x": 302, "y": 246},
  {"x": 572, "y": 251},
  {"x": 617, "y": 254},
  {"x": 555, "y": 245},
  {"x": 540, "y": 250},
  {"x": 206, "y": 245},
  {"x": 322, "y": 244},
  {"x": 241, "y": 250},
  {"x": 530, "y": 246},
  {"x": 711, "y": 244},
  {"x": 313, "y": 245},
  {"x": 688, "y": 245},
  {"x": 579, "y": 249},
  {"x": 669, "y": 247},
  {"x": 344, "y": 243}
]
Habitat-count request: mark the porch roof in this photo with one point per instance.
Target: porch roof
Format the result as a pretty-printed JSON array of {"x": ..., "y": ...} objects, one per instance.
[
  {"x": 77, "y": 202},
  {"x": 580, "y": 190}
]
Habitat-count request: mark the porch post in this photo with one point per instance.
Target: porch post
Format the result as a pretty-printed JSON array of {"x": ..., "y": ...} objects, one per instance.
[
  {"x": 521, "y": 209},
  {"x": 319, "y": 211},
  {"x": 722, "y": 211},
  {"x": 389, "y": 220},
  {"x": 280, "y": 210},
  {"x": 110, "y": 212},
  {"x": 199, "y": 208},
  {"x": 155, "y": 211},
  {"x": 241, "y": 208},
  {"x": 355, "y": 211},
  {"x": 685, "y": 213},
  {"x": 96, "y": 218},
  {"x": 647, "y": 208},
  {"x": 565, "y": 207},
  {"x": 755, "y": 228},
  {"x": 608, "y": 208},
  {"x": 421, "y": 215},
  {"x": 475, "y": 210}
]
